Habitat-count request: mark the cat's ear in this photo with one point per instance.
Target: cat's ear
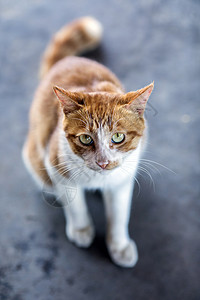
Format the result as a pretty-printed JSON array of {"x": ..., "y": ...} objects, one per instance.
[
  {"x": 69, "y": 101},
  {"x": 137, "y": 100}
]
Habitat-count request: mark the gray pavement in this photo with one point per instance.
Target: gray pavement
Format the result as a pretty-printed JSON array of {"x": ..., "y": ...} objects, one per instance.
[{"x": 143, "y": 41}]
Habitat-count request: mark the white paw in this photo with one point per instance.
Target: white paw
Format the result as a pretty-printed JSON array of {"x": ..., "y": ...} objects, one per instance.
[
  {"x": 81, "y": 237},
  {"x": 124, "y": 257}
]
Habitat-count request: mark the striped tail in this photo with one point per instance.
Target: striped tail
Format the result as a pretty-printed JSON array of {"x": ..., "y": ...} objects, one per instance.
[{"x": 77, "y": 37}]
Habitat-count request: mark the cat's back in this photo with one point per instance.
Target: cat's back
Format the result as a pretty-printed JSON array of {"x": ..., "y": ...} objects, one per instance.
[{"x": 74, "y": 72}]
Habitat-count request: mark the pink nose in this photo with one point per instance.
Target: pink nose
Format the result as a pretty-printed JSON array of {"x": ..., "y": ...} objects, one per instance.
[{"x": 103, "y": 164}]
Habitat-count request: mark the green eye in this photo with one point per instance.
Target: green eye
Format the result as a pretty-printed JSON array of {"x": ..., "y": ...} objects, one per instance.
[
  {"x": 118, "y": 138},
  {"x": 85, "y": 139}
]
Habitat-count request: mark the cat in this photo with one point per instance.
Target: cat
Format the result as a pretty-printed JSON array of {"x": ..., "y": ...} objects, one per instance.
[{"x": 86, "y": 132}]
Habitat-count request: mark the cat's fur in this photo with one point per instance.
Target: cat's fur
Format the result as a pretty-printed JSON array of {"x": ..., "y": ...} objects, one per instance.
[{"x": 90, "y": 100}]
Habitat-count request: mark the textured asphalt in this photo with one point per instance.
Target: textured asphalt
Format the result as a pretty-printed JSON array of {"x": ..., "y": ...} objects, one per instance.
[{"x": 143, "y": 41}]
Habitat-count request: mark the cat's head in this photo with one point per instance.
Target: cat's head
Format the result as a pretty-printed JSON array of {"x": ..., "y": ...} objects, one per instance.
[{"x": 103, "y": 127}]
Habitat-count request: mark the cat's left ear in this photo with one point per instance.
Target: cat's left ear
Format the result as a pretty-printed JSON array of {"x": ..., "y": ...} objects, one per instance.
[
  {"x": 137, "y": 100},
  {"x": 70, "y": 101}
]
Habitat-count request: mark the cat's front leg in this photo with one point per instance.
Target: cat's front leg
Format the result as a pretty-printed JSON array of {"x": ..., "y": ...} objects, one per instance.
[
  {"x": 79, "y": 225},
  {"x": 117, "y": 200}
]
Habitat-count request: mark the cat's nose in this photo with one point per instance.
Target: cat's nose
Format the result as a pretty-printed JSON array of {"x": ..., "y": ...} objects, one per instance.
[{"x": 102, "y": 164}]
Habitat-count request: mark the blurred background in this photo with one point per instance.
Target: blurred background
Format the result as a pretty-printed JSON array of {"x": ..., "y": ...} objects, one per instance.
[{"x": 143, "y": 41}]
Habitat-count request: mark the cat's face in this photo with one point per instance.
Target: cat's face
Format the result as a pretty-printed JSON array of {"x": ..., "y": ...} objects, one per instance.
[{"x": 102, "y": 128}]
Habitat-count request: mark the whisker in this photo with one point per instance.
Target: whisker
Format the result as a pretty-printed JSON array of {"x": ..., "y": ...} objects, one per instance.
[
  {"x": 152, "y": 167},
  {"x": 61, "y": 156},
  {"x": 123, "y": 169},
  {"x": 67, "y": 170},
  {"x": 80, "y": 120},
  {"x": 146, "y": 164},
  {"x": 114, "y": 125},
  {"x": 86, "y": 110},
  {"x": 62, "y": 164},
  {"x": 76, "y": 174},
  {"x": 147, "y": 172},
  {"x": 152, "y": 161},
  {"x": 83, "y": 116}
]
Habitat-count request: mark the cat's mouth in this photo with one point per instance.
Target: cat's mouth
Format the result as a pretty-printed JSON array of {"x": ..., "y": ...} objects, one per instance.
[{"x": 104, "y": 169}]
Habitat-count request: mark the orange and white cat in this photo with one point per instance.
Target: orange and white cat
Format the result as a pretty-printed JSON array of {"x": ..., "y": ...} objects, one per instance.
[{"x": 87, "y": 132}]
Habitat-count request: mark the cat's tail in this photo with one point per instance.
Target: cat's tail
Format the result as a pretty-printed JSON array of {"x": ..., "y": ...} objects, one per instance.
[{"x": 77, "y": 37}]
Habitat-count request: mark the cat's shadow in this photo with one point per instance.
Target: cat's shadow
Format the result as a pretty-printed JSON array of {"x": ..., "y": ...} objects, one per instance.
[
  {"x": 97, "y": 54},
  {"x": 96, "y": 208}
]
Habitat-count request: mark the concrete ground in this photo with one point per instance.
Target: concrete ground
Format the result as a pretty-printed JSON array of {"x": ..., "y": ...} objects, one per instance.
[{"x": 143, "y": 41}]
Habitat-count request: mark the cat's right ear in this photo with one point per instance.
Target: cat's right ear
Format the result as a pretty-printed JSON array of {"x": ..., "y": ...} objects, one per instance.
[
  {"x": 137, "y": 100},
  {"x": 69, "y": 101}
]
